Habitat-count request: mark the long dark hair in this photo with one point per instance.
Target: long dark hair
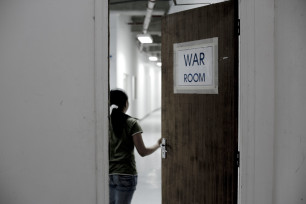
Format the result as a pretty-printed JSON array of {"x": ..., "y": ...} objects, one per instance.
[{"x": 119, "y": 98}]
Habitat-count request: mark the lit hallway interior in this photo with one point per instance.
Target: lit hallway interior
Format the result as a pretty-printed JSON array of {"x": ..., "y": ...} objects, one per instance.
[{"x": 149, "y": 168}]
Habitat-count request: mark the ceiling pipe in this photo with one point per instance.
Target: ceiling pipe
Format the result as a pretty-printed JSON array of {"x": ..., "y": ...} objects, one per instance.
[{"x": 146, "y": 23}]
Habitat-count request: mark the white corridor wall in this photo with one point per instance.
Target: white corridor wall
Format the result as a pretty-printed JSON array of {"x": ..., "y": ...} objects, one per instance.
[{"x": 130, "y": 69}]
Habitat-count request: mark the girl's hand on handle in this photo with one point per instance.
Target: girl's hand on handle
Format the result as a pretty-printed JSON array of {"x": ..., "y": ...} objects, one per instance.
[{"x": 141, "y": 147}]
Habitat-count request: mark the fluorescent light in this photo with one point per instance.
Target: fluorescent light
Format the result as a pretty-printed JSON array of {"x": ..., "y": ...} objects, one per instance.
[
  {"x": 153, "y": 59},
  {"x": 190, "y": 2},
  {"x": 159, "y": 64},
  {"x": 145, "y": 38}
]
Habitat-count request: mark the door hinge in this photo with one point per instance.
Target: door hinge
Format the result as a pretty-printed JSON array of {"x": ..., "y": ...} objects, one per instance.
[
  {"x": 238, "y": 27},
  {"x": 238, "y": 159}
]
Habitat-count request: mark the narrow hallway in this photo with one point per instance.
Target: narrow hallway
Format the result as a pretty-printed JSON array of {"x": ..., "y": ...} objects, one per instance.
[{"x": 149, "y": 168}]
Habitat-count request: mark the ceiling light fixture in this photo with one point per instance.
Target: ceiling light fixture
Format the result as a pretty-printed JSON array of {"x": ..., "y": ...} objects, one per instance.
[
  {"x": 153, "y": 59},
  {"x": 145, "y": 38}
]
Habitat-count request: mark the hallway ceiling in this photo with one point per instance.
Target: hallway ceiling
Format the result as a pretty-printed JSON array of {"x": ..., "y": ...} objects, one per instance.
[{"x": 137, "y": 10}]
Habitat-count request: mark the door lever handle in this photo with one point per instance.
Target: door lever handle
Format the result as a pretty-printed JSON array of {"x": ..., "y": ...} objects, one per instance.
[{"x": 163, "y": 148}]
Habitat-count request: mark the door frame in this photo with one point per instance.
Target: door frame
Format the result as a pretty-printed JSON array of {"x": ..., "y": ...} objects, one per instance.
[
  {"x": 101, "y": 92},
  {"x": 256, "y": 102},
  {"x": 249, "y": 190}
]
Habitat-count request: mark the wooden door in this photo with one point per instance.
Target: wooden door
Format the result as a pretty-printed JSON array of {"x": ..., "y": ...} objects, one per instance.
[{"x": 201, "y": 129}]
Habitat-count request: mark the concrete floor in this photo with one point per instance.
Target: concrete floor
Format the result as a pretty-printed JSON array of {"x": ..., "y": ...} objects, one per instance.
[{"x": 149, "y": 168}]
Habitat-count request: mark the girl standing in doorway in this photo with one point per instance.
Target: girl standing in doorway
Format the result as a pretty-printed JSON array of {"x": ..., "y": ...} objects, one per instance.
[{"x": 124, "y": 134}]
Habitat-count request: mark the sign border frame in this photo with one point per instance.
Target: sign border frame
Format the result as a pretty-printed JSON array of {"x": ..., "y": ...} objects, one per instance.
[{"x": 209, "y": 89}]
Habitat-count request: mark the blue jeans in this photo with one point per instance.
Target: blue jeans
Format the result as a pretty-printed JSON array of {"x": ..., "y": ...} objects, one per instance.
[{"x": 121, "y": 188}]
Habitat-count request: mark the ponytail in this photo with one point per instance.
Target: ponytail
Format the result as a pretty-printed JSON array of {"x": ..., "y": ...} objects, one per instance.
[{"x": 118, "y": 118}]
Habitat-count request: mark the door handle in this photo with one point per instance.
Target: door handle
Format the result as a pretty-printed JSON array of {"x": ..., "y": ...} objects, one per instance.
[{"x": 163, "y": 148}]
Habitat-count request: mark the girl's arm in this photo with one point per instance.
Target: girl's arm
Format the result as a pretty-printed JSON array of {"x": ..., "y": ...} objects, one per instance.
[{"x": 141, "y": 148}]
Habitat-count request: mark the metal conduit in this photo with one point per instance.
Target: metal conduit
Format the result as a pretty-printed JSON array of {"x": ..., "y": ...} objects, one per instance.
[{"x": 146, "y": 23}]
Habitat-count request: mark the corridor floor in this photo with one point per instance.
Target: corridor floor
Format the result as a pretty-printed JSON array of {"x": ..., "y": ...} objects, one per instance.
[{"x": 149, "y": 168}]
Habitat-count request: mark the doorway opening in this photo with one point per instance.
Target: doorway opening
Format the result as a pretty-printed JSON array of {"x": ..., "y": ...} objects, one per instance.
[
  {"x": 135, "y": 67},
  {"x": 132, "y": 70}
]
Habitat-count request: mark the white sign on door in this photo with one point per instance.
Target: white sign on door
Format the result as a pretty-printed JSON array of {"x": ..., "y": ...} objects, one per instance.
[{"x": 196, "y": 66}]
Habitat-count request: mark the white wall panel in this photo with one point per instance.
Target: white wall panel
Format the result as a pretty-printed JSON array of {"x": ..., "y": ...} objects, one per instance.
[
  {"x": 47, "y": 102},
  {"x": 272, "y": 114},
  {"x": 290, "y": 111},
  {"x": 257, "y": 101}
]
